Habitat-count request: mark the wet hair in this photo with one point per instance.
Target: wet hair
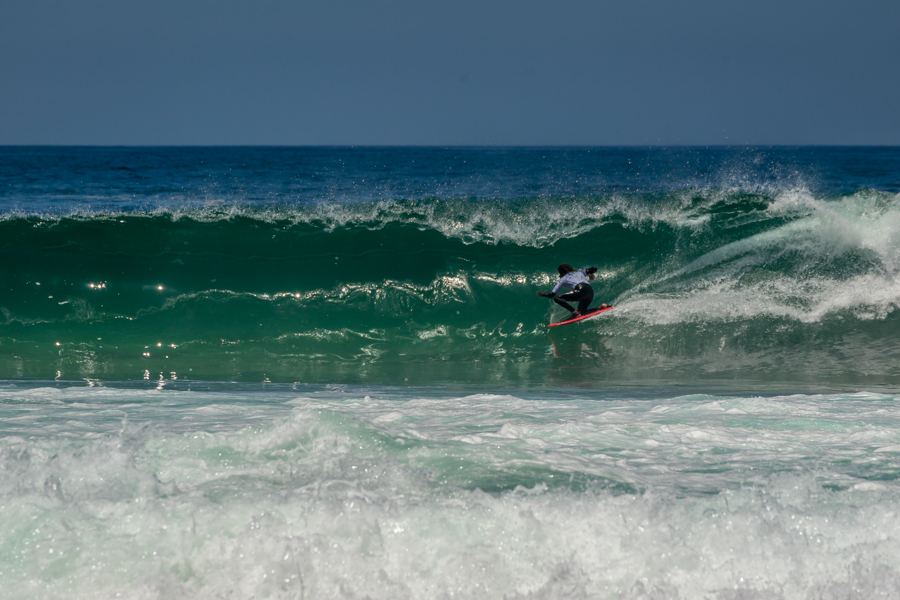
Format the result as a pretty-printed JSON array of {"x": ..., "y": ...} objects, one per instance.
[{"x": 564, "y": 269}]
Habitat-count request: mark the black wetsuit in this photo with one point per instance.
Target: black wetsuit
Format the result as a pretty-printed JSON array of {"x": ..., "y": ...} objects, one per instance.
[{"x": 583, "y": 294}]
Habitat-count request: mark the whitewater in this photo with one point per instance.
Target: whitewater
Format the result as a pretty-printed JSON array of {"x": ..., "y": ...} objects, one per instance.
[{"x": 324, "y": 373}]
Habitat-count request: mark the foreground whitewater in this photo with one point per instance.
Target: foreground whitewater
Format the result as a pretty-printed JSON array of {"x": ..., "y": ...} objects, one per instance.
[
  {"x": 376, "y": 493},
  {"x": 324, "y": 373}
]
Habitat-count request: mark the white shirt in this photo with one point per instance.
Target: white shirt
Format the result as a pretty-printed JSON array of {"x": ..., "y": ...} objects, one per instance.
[{"x": 570, "y": 280}]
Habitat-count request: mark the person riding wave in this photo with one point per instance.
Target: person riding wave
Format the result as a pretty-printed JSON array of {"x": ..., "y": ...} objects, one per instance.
[{"x": 579, "y": 289}]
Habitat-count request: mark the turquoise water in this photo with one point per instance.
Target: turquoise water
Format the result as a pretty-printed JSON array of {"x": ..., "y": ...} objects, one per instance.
[{"x": 324, "y": 373}]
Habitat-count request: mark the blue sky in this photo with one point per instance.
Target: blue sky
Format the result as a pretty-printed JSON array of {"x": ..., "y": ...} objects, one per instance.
[{"x": 449, "y": 73}]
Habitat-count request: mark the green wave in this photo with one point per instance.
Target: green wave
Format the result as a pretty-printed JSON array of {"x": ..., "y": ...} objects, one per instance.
[{"x": 714, "y": 284}]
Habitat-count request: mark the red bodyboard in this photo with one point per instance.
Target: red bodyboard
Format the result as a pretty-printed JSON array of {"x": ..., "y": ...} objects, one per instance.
[{"x": 593, "y": 313}]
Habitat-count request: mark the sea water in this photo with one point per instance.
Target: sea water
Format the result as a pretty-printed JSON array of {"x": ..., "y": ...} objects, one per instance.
[{"x": 324, "y": 373}]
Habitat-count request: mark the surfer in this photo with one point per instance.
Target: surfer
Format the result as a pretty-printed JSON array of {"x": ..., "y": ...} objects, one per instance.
[{"x": 579, "y": 288}]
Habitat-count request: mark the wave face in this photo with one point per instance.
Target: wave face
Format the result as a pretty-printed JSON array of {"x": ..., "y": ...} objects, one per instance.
[{"x": 722, "y": 266}]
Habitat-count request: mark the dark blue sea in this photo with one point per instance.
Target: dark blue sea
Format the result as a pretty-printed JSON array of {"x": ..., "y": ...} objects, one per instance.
[{"x": 325, "y": 373}]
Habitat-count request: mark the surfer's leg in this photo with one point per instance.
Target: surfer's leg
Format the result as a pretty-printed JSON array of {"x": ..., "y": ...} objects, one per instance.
[
  {"x": 585, "y": 302},
  {"x": 582, "y": 293},
  {"x": 559, "y": 300}
]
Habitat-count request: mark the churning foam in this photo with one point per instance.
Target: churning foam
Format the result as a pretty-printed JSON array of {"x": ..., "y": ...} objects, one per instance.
[
  {"x": 829, "y": 256},
  {"x": 387, "y": 494}
]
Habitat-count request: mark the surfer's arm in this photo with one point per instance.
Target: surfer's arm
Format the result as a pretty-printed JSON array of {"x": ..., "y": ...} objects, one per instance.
[
  {"x": 556, "y": 287},
  {"x": 546, "y": 294},
  {"x": 590, "y": 272}
]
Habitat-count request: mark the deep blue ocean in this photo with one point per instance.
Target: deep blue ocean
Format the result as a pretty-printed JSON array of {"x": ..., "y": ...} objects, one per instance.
[{"x": 325, "y": 373}]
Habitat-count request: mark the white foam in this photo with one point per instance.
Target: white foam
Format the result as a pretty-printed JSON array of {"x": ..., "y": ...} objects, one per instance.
[
  {"x": 713, "y": 287},
  {"x": 534, "y": 222},
  {"x": 336, "y": 493}
]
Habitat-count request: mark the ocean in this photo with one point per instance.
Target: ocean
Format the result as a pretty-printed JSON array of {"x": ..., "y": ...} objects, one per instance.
[{"x": 309, "y": 373}]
